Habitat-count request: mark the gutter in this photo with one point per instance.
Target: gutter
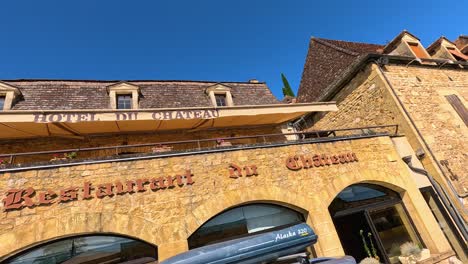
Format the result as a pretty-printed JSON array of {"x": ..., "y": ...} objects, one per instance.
[{"x": 458, "y": 219}]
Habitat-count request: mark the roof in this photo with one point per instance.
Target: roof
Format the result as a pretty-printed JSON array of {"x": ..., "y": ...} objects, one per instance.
[
  {"x": 462, "y": 43},
  {"x": 93, "y": 94},
  {"x": 437, "y": 43},
  {"x": 326, "y": 60},
  {"x": 397, "y": 39}
]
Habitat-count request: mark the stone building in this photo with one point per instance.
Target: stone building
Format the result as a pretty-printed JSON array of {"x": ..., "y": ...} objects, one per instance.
[
  {"x": 423, "y": 91},
  {"x": 111, "y": 171}
]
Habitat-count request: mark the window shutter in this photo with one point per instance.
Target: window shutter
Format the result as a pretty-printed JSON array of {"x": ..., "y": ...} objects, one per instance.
[{"x": 458, "y": 106}]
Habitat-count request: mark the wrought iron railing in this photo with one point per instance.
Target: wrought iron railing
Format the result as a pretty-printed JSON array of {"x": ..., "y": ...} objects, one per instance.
[{"x": 73, "y": 155}]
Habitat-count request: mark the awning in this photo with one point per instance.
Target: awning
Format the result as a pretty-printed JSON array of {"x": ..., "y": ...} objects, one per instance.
[{"x": 80, "y": 123}]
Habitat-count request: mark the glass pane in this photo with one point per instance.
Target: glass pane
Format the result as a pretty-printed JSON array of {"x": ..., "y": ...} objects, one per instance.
[
  {"x": 89, "y": 249},
  {"x": 124, "y": 101},
  {"x": 262, "y": 217},
  {"x": 2, "y": 102},
  {"x": 220, "y": 100},
  {"x": 361, "y": 195},
  {"x": 394, "y": 229},
  {"x": 242, "y": 221},
  {"x": 445, "y": 224}
]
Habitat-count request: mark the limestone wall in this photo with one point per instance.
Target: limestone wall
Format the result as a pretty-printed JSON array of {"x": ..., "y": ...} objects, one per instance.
[
  {"x": 167, "y": 216},
  {"x": 368, "y": 100},
  {"x": 422, "y": 91}
]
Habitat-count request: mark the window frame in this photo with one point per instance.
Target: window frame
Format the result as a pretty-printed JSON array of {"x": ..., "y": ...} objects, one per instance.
[
  {"x": 221, "y": 95},
  {"x": 2, "y": 102},
  {"x": 190, "y": 239},
  {"x": 72, "y": 237},
  {"x": 130, "y": 100}
]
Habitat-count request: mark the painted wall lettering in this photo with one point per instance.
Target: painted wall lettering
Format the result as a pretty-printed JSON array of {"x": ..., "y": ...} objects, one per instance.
[
  {"x": 125, "y": 116},
  {"x": 21, "y": 198},
  {"x": 298, "y": 162}
]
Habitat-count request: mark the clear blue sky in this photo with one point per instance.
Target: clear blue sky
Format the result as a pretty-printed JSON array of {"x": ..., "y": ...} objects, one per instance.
[{"x": 200, "y": 40}]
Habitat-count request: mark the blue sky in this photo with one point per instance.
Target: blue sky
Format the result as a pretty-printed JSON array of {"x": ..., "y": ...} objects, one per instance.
[{"x": 199, "y": 40}]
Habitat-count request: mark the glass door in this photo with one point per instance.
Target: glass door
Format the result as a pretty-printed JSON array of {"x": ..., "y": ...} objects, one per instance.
[{"x": 393, "y": 228}]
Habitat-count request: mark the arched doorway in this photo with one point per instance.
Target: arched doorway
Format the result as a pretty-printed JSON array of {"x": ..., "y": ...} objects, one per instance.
[
  {"x": 372, "y": 215},
  {"x": 242, "y": 221},
  {"x": 88, "y": 249}
]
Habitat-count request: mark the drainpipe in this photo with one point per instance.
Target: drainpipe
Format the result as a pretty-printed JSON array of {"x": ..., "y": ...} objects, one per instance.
[
  {"x": 421, "y": 137},
  {"x": 461, "y": 225}
]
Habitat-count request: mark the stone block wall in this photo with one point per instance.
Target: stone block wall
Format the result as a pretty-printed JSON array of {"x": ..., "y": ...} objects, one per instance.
[
  {"x": 166, "y": 217},
  {"x": 422, "y": 91},
  {"x": 368, "y": 100}
]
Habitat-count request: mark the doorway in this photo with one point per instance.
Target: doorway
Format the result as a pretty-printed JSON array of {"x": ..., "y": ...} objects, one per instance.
[{"x": 371, "y": 220}]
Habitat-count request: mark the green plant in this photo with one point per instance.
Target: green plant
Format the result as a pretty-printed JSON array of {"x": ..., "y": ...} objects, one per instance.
[
  {"x": 70, "y": 155},
  {"x": 374, "y": 250},
  {"x": 369, "y": 261},
  {"x": 287, "y": 91},
  {"x": 410, "y": 249},
  {"x": 364, "y": 242}
]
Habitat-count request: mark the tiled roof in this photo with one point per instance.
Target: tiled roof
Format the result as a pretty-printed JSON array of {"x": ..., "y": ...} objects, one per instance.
[
  {"x": 462, "y": 43},
  {"x": 326, "y": 60},
  {"x": 83, "y": 94}
]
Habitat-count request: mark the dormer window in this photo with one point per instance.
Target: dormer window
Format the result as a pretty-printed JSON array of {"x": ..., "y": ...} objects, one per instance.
[
  {"x": 220, "y": 95},
  {"x": 124, "y": 101},
  {"x": 2, "y": 102},
  {"x": 220, "y": 99},
  {"x": 8, "y": 96},
  {"x": 123, "y": 96}
]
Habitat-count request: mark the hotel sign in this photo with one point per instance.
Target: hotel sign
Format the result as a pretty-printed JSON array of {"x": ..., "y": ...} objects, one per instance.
[{"x": 124, "y": 116}]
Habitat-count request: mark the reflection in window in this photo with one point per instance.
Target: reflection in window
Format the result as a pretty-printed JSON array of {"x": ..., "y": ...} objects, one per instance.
[
  {"x": 394, "y": 229},
  {"x": 124, "y": 101},
  {"x": 220, "y": 100},
  {"x": 2, "y": 102},
  {"x": 242, "y": 221},
  {"x": 90, "y": 250},
  {"x": 359, "y": 195}
]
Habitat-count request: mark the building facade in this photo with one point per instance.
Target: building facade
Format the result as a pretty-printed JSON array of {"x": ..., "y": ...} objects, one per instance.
[
  {"x": 108, "y": 171},
  {"x": 423, "y": 91}
]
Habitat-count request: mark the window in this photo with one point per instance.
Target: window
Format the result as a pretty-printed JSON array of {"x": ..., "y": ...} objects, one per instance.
[
  {"x": 242, "y": 221},
  {"x": 220, "y": 100},
  {"x": 2, "y": 102},
  {"x": 417, "y": 50},
  {"x": 376, "y": 213},
  {"x": 459, "y": 107},
  {"x": 89, "y": 249},
  {"x": 124, "y": 101}
]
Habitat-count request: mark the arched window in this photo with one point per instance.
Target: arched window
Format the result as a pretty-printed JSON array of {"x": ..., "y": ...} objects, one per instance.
[
  {"x": 359, "y": 195},
  {"x": 88, "y": 249},
  {"x": 242, "y": 221},
  {"x": 375, "y": 215}
]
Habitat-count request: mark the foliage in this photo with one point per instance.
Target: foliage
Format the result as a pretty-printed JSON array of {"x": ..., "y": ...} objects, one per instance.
[
  {"x": 70, "y": 155},
  {"x": 287, "y": 91},
  {"x": 408, "y": 249},
  {"x": 369, "y": 261},
  {"x": 364, "y": 242},
  {"x": 374, "y": 250}
]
